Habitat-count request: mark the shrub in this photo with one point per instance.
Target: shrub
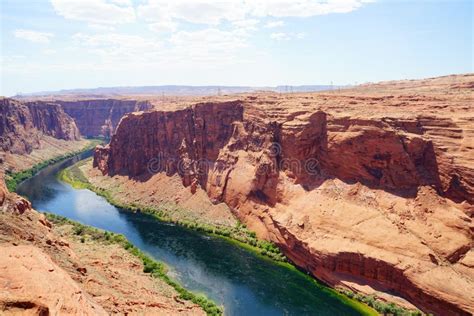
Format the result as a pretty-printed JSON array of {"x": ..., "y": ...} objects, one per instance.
[{"x": 78, "y": 230}]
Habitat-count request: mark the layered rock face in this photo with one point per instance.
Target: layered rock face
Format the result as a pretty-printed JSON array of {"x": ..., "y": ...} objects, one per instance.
[
  {"x": 22, "y": 126},
  {"x": 51, "y": 120},
  {"x": 361, "y": 188},
  {"x": 182, "y": 137},
  {"x": 101, "y": 116}
]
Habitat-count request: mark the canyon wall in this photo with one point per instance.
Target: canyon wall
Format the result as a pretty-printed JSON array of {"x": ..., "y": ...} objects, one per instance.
[
  {"x": 380, "y": 199},
  {"x": 100, "y": 117},
  {"x": 22, "y": 125}
]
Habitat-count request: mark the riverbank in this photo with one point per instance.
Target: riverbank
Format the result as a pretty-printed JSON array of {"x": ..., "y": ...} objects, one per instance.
[
  {"x": 239, "y": 233},
  {"x": 49, "y": 261},
  {"x": 12, "y": 179},
  {"x": 157, "y": 270},
  {"x": 75, "y": 176}
]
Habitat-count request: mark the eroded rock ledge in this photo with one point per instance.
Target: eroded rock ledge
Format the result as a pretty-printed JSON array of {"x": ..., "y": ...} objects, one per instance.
[{"x": 380, "y": 200}]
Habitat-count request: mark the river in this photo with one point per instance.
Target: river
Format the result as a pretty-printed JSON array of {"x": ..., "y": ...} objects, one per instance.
[{"x": 242, "y": 282}]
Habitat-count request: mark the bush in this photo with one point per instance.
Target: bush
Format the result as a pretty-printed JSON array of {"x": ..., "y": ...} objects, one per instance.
[
  {"x": 78, "y": 230},
  {"x": 381, "y": 306}
]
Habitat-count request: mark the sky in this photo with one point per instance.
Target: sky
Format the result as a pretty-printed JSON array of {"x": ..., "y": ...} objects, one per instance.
[{"x": 65, "y": 44}]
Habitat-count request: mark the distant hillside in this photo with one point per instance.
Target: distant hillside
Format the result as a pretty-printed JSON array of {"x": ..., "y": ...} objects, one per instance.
[{"x": 176, "y": 90}]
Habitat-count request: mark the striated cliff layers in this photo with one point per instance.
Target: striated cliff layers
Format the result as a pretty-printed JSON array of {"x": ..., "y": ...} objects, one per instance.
[
  {"x": 378, "y": 198},
  {"x": 23, "y": 125},
  {"x": 99, "y": 117}
]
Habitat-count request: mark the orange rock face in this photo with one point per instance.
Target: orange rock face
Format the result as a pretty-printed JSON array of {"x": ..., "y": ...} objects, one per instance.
[{"x": 370, "y": 187}]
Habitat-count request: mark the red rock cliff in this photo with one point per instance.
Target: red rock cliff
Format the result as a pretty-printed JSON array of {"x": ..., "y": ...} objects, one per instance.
[
  {"x": 100, "y": 117},
  {"x": 355, "y": 199},
  {"x": 23, "y": 124}
]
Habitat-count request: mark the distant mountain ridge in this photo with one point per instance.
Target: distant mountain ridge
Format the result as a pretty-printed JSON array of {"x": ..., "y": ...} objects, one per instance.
[{"x": 178, "y": 90}]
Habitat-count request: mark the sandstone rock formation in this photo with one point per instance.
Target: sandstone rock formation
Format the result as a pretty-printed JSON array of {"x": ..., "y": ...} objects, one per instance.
[
  {"x": 22, "y": 126},
  {"x": 365, "y": 188},
  {"x": 31, "y": 282},
  {"x": 100, "y": 117}
]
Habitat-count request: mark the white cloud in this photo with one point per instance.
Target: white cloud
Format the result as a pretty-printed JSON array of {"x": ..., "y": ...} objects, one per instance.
[
  {"x": 281, "y": 36},
  {"x": 212, "y": 12},
  {"x": 208, "y": 44},
  {"x": 248, "y": 23},
  {"x": 195, "y": 11},
  {"x": 49, "y": 51},
  {"x": 101, "y": 27},
  {"x": 300, "y": 35},
  {"x": 33, "y": 36},
  {"x": 163, "y": 26},
  {"x": 122, "y": 2},
  {"x": 95, "y": 11},
  {"x": 284, "y": 36},
  {"x": 273, "y": 24},
  {"x": 304, "y": 8},
  {"x": 115, "y": 47}
]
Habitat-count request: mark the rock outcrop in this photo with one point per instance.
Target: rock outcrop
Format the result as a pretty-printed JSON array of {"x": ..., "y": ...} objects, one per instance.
[
  {"x": 38, "y": 286},
  {"x": 100, "y": 117},
  {"x": 22, "y": 125},
  {"x": 360, "y": 188}
]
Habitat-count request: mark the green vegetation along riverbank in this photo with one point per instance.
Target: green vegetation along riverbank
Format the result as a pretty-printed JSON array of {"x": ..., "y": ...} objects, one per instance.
[
  {"x": 12, "y": 179},
  {"x": 75, "y": 177},
  {"x": 154, "y": 268}
]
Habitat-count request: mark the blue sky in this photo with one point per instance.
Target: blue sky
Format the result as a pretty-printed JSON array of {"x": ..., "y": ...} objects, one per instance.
[{"x": 61, "y": 44}]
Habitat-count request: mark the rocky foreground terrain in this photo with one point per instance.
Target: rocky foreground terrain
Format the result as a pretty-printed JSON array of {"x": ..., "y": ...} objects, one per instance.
[
  {"x": 369, "y": 188},
  {"x": 48, "y": 270}
]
